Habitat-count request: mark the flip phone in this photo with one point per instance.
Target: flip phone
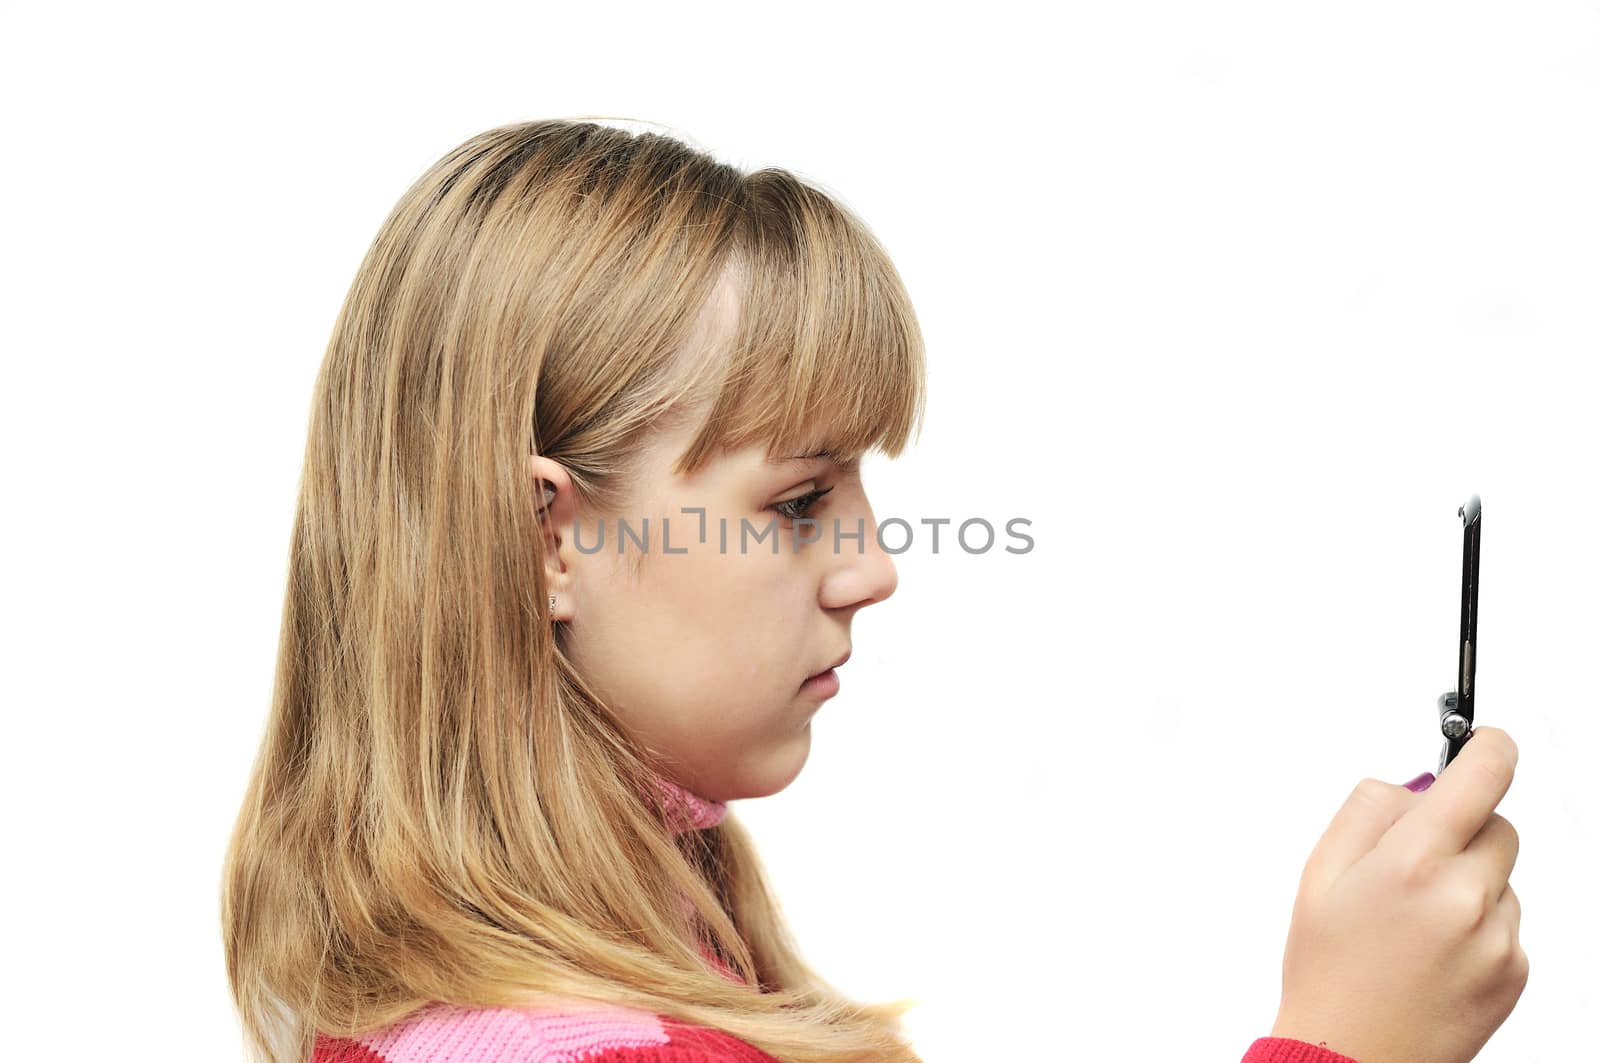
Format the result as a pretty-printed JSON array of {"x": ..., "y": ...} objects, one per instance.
[{"x": 1456, "y": 706}]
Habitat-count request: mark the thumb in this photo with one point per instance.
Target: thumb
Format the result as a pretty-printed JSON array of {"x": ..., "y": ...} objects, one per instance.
[{"x": 1370, "y": 810}]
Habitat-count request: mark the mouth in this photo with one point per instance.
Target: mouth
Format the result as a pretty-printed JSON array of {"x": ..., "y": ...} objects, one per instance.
[{"x": 826, "y": 676}]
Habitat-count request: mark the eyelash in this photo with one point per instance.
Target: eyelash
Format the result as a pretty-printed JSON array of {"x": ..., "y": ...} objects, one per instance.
[{"x": 802, "y": 503}]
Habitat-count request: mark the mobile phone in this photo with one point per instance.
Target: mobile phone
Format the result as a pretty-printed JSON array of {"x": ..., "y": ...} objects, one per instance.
[{"x": 1456, "y": 706}]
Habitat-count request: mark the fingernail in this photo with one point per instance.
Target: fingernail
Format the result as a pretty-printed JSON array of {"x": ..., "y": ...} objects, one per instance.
[{"x": 1420, "y": 783}]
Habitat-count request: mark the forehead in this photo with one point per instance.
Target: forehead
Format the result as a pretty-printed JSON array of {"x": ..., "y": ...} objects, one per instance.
[
  {"x": 760, "y": 431},
  {"x": 799, "y": 363},
  {"x": 751, "y": 461}
]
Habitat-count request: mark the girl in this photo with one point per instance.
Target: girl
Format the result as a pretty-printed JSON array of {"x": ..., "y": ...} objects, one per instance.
[{"x": 556, "y": 595}]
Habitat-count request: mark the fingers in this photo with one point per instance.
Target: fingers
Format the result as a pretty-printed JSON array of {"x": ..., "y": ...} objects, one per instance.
[
  {"x": 1455, "y": 808},
  {"x": 1508, "y": 915},
  {"x": 1476, "y": 879},
  {"x": 1370, "y": 811},
  {"x": 1511, "y": 909},
  {"x": 1492, "y": 853}
]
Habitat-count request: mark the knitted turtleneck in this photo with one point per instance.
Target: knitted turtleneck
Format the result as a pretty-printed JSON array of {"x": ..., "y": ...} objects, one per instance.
[
  {"x": 601, "y": 1033},
  {"x": 686, "y": 810}
]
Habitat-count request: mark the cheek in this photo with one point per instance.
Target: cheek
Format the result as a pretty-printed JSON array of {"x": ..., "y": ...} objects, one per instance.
[
  {"x": 703, "y": 634},
  {"x": 741, "y": 620}
]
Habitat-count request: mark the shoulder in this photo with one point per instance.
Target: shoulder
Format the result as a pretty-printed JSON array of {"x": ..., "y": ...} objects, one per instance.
[{"x": 586, "y": 1031}]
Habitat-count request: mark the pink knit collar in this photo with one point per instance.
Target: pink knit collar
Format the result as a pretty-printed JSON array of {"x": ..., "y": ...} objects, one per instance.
[{"x": 685, "y": 810}]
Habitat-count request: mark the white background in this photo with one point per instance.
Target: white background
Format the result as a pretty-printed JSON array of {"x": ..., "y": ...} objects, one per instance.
[{"x": 1236, "y": 302}]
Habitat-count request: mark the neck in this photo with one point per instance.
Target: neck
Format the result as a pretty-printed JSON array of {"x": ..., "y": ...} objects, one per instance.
[{"x": 686, "y": 810}]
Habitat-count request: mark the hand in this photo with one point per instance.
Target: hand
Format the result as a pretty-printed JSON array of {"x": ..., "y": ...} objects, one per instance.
[{"x": 1403, "y": 945}]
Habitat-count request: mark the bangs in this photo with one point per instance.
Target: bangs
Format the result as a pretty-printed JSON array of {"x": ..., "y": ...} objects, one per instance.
[{"x": 827, "y": 352}]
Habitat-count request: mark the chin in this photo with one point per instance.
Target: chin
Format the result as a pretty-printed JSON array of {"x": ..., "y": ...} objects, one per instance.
[{"x": 781, "y": 768}]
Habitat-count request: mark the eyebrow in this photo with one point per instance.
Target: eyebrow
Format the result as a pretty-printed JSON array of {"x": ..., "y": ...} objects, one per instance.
[{"x": 824, "y": 453}]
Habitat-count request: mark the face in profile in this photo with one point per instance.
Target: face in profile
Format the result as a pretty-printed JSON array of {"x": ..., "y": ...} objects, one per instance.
[{"x": 704, "y": 651}]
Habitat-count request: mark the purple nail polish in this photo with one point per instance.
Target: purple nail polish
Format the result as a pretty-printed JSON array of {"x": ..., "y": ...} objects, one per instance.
[{"x": 1420, "y": 783}]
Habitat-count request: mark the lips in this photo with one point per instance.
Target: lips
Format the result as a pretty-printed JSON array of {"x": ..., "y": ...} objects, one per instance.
[{"x": 832, "y": 666}]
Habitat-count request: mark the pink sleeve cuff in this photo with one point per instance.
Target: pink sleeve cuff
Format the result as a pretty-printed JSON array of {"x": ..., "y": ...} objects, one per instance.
[{"x": 1288, "y": 1050}]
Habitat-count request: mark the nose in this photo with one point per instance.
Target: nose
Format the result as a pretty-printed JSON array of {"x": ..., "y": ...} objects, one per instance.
[{"x": 860, "y": 575}]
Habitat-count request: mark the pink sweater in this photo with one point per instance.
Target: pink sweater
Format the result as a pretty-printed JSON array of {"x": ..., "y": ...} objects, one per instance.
[{"x": 599, "y": 1033}]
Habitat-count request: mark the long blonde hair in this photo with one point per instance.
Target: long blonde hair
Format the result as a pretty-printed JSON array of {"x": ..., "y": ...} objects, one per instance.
[{"x": 441, "y": 809}]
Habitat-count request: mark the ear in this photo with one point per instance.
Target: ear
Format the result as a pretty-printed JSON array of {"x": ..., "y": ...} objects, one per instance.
[{"x": 555, "y": 507}]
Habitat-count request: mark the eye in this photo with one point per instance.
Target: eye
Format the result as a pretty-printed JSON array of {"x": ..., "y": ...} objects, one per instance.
[{"x": 795, "y": 508}]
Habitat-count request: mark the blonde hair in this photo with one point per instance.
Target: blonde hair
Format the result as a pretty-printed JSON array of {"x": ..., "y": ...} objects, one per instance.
[{"x": 441, "y": 809}]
